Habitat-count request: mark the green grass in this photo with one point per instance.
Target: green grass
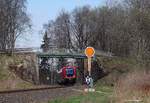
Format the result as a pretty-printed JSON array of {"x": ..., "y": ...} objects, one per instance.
[
  {"x": 103, "y": 96},
  {"x": 118, "y": 61}
]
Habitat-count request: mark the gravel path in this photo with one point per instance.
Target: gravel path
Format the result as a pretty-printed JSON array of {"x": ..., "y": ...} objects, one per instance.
[{"x": 42, "y": 96}]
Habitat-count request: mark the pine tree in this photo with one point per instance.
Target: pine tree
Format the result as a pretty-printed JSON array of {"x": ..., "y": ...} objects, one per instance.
[{"x": 45, "y": 45}]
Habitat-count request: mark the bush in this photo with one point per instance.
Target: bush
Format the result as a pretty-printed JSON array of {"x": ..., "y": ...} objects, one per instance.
[{"x": 135, "y": 86}]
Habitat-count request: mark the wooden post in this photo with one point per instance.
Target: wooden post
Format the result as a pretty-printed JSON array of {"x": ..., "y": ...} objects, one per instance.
[
  {"x": 89, "y": 65},
  {"x": 89, "y": 52},
  {"x": 37, "y": 69}
]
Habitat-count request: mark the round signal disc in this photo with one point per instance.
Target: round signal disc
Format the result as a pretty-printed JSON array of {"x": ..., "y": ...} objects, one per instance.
[{"x": 89, "y": 51}]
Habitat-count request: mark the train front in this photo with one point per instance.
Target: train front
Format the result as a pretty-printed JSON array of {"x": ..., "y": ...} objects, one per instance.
[{"x": 68, "y": 75}]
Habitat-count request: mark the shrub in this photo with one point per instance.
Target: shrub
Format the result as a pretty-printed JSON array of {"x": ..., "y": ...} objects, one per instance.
[{"x": 134, "y": 86}]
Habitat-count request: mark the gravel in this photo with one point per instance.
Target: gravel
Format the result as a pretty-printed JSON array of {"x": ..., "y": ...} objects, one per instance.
[{"x": 41, "y": 96}]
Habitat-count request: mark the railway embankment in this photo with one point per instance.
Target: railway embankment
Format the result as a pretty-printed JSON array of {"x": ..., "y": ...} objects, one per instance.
[
  {"x": 17, "y": 71},
  {"x": 118, "y": 67}
]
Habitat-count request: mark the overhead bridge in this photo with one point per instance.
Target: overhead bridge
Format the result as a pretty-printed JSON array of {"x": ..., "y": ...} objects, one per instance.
[
  {"x": 75, "y": 56},
  {"x": 56, "y": 60},
  {"x": 59, "y": 60}
]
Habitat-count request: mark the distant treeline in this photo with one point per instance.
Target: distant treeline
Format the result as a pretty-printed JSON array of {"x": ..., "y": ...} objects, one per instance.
[{"x": 122, "y": 28}]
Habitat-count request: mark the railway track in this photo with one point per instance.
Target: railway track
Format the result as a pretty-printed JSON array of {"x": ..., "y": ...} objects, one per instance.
[
  {"x": 36, "y": 95},
  {"x": 30, "y": 89}
]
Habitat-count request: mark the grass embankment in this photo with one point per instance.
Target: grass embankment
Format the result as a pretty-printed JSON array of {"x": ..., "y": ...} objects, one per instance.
[
  {"x": 133, "y": 87},
  {"x": 131, "y": 82},
  {"x": 103, "y": 95},
  {"x": 8, "y": 79},
  {"x": 119, "y": 63},
  {"x": 118, "y": 67}
]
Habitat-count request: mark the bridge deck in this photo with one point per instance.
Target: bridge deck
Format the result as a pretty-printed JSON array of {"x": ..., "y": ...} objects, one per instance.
[{"x": 76, "y": 56}]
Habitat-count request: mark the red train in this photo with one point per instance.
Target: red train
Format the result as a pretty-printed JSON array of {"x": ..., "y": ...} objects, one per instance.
[{"x": 67, "y": 74}]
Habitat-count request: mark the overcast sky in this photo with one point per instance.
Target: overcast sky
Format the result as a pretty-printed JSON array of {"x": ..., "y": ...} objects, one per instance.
[{"x": 41, "y": 11}]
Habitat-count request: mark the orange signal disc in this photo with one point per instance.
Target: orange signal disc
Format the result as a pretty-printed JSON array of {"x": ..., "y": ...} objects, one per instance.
[{"x": 89, "y": 51}]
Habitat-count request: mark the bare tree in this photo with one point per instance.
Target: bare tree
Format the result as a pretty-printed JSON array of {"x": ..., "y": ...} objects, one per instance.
[
  {"x": 122, "y": 28},
  {"x": 14, "y": 20}
]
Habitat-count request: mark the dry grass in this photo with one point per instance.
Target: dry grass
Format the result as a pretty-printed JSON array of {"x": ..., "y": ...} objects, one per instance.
[
  {"x": 8, "y": 78},
  {"x": 13, "y": 82},
  {"x": 134, "y": 87}
]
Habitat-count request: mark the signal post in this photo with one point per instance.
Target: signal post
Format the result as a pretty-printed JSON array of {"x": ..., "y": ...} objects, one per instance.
[{"x": 89, "y": 52}]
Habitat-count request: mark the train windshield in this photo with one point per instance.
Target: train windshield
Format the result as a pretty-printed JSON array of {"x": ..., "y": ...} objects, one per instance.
[{"x": 69, "y": 72}]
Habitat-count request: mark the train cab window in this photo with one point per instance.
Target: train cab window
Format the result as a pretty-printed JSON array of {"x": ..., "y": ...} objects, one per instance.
[{"x": 69, "y": 72}]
